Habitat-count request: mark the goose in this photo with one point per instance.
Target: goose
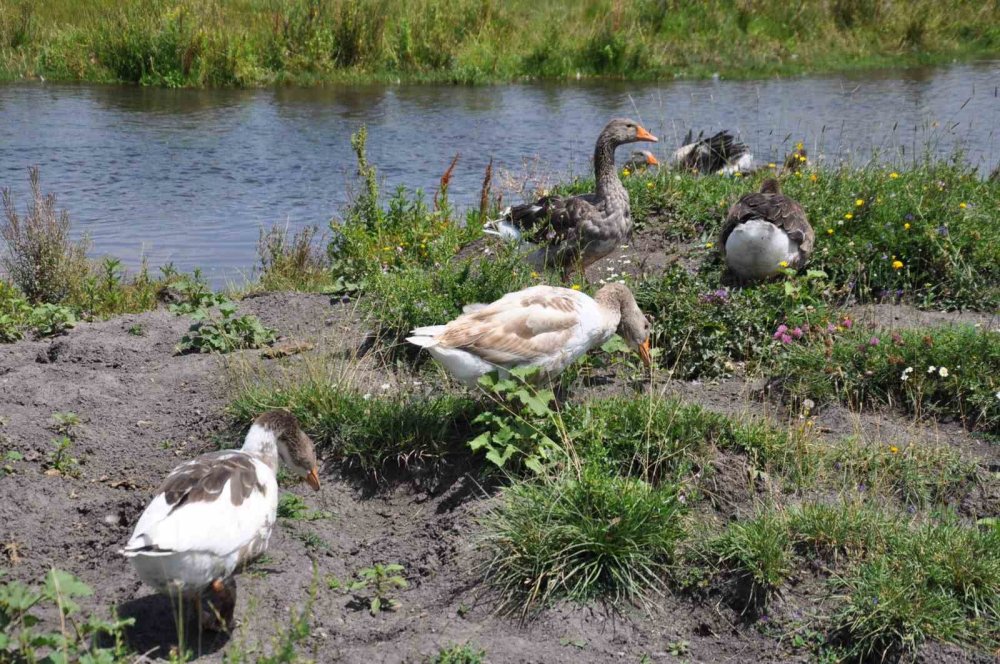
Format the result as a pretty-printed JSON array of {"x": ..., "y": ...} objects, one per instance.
[
  {"x": 796, "y": 159},
  {"x": 641, "y": 160},
  {"x": 214, "y": 513},
  {"x": 765, "y": 232},
  {"x": 720, "y": 154},
  {"x": 543, "y": 326},
  {"x": 578, "y": 230}
]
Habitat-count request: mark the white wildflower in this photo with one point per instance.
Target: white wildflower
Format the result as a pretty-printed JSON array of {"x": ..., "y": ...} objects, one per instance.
[
  {"x": 906, "y": 373},
  {"x": 931, "y": 369},
  {"x": 943, "y": 372},
  {"x": 384, "y": 386}
]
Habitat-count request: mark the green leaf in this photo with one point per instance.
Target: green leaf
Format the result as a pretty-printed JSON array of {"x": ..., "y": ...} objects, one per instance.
[
  {"x": 16, "y": 596},
  {"x": 62, "y": 586},
  {"x": 376, "y": 606},
  {"x": 480, "y": 441}
]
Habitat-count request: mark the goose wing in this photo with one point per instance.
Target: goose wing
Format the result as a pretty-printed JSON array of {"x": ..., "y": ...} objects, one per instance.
[
  {"x": 780, "y": 210},
  {"x": 217, "y": 503},
  {"x": 553, "y": 219},
  {"x": 520, "y": 328}
]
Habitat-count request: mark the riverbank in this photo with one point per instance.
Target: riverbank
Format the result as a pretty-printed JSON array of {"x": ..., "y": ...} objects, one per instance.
[
  {"x": 306, "y": 42},
  {"x": 826, "y": 492}
]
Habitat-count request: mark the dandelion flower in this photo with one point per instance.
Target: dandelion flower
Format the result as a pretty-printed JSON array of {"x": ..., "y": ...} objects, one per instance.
[
  {"x": 859, "y": 202},
  {"x": 709, "y": 245},
  {"x": 962, "y": 205},
  {"x": 906, "y": 226},
  {"x": 772, "y": 165},
  {"x": 783, "y": 263},
  {"x": 799, "y": 145},
  {"x": 576, "y": 287},
  {"x": 626, "y": 172},
  {"x": 813, "y": 177},
  {"x": 894, "y": 175},
  {"x": 897, "y": 265},
  {"x": 943, "y": 372},
  {"x": 848, "y": 216},
  {"x": 534, "y": 275},
  {"x": 649, "y": 185},
  {"x": 829, "y": 231},
  {"x": 893, "y": 449}
]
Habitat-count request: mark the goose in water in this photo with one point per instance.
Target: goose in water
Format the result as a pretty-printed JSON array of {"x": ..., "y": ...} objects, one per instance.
[
  {"x": 764, "y": 233},
  {"x": 576, "y": 231},
  {"x": 721, "y": 154},
  {"x": 543, "y": 326},
  {"x": 213, "y": 514}
]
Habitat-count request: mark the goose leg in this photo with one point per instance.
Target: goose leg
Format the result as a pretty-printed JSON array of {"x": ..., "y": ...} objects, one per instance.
[{"x": 221, "y": 605}]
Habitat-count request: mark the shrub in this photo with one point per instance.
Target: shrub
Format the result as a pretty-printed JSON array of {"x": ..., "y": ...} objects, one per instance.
[
  {"x": 225, "y": 334},
  {"x": 40, "y": 258}
]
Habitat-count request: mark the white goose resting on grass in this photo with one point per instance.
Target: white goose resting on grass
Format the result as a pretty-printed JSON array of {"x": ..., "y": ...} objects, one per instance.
[
  {"x": 214, "y": 513},
  {"x": 764, "y": 233},
  {"x": 543, "y": 326}
]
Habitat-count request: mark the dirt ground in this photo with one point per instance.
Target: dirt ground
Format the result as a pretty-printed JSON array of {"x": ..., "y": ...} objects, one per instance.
[{"x": 144, "y": 410}]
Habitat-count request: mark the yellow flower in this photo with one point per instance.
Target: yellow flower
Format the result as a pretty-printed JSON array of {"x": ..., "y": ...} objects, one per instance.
[
  {"x": 801, "y": 158},
  {"x": 772, "y": 165},
  {"x": 649, "y": 185},
  {"x": 708, "y": 245},
  {"x": 897, "y": 265},
  {"x": 859, "y": 202},
  {"x": 798, "y": 174},
  {"x": 799, "y": 145},
  {"x": 906, "y": 226},
  {"x": 848, "y": 216},
  {"x": 576, "y": 286},
  {"x": 626, "y": 172},
  {"x": 737, "y": 174},
  {"x": 894, "y": 175},
  {"x": 829, "y": 231},
  {"x": 813, "y": 177},
  {"x": 783, "y": 263},
  {"x": 962, "y": 205},
  {"x": 893, "y": 449},
  {"x": 534, "y": 275}
]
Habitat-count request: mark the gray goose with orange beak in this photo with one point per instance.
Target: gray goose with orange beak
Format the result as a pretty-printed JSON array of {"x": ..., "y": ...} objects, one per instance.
[
  {"x": 576, "y": 231},
  {"x": 214, "y": 514}
]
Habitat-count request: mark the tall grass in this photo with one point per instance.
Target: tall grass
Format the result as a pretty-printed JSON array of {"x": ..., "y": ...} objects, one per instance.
[{"x": 239, "y": 42}]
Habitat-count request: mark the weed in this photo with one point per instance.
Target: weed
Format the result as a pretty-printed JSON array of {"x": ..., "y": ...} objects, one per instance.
[
  {"x": 137, "y": 330},
  {"x": 51, "y": 319},
  {"x": 59, "y": 461},
  {"x": 209, "y": 334},
  {"x": 291, "y": 506},
  {"x": 520, "y": 434},
  {"x": 312, "y": 541},
  {"x": 295, "y": 263},
  {"x": 458, "y": 654},
  {"x": 65, "y": 423},
  {"x": 580, "y": 538},
  {"x": 40, "y": 258},
  {"x": 23, "y": 640},
  {"x": 190, "y": 295},
  {"x": 374, "y": 587},
  {"x": 9, "y": 458}
]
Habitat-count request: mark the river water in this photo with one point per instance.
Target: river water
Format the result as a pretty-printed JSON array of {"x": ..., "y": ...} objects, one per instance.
[{"x": 191, "y": 176}]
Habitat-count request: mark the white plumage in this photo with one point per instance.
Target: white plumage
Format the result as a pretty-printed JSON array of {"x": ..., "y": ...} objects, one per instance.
[{"x": 756, "y": 248}]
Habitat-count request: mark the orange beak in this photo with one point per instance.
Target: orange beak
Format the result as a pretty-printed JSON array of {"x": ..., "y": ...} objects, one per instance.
[
  {"x": 651, "y": 160},
  {"x": 642, "y": 135},
  {"x": 312, "y": 479},
  {"x": 647, "y": 359}
]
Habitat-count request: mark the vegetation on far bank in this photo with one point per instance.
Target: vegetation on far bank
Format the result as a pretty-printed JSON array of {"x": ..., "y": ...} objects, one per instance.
[{"x": 178, "y": 43}]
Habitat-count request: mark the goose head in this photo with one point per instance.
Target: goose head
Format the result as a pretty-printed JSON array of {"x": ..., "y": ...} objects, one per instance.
[
  {"x": 642, "y": 159},
  {"x": 295, "y": 448},
  {"x": 622, "y": 130},
  {"x": 633, "y": 326}
]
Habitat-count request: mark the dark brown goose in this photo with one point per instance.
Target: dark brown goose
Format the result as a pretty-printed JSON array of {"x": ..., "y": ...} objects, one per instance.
[
  {"x": 641, "y": 160},
  {"x": 764, "y": 233},
  {"x": 576, "y": 231}
]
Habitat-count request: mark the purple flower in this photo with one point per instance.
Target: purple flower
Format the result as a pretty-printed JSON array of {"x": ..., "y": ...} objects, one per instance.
[
  {"x": 943, "y": 231},
  {"x": 785, "y": 339},
  {"x": 862, "y": 488},
  {"x": 780, "y": 331},
  {"x": 885, "y": 257},
  {"x": 847, "y": 323},
  {"x": 797, "y": 333},
  {"x": 909, "y": 216},
  {"x": 873, "y": 341},
  {"x": 830, "y": 328},
  {"x": 722, "y": 294}
]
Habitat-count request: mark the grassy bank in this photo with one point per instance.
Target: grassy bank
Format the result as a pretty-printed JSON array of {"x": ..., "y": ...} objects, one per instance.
[{"x": 261, "y": 42}]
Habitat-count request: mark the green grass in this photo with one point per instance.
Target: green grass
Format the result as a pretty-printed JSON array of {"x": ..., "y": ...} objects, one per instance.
[
  {"x": 580, "y": 538},
  {"x": 938, "y": 372},
  {"x": 260, "y": 42}
]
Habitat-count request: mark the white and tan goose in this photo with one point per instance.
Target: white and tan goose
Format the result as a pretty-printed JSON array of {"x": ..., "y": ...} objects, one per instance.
[
  {"x": 214, "y": 513},
  {"x": 543, "y": 326},
  {"x": 764, "y": 233}
]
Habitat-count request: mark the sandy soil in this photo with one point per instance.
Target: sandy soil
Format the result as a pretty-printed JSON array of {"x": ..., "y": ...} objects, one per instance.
[{"x": 145, "y": 409}]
